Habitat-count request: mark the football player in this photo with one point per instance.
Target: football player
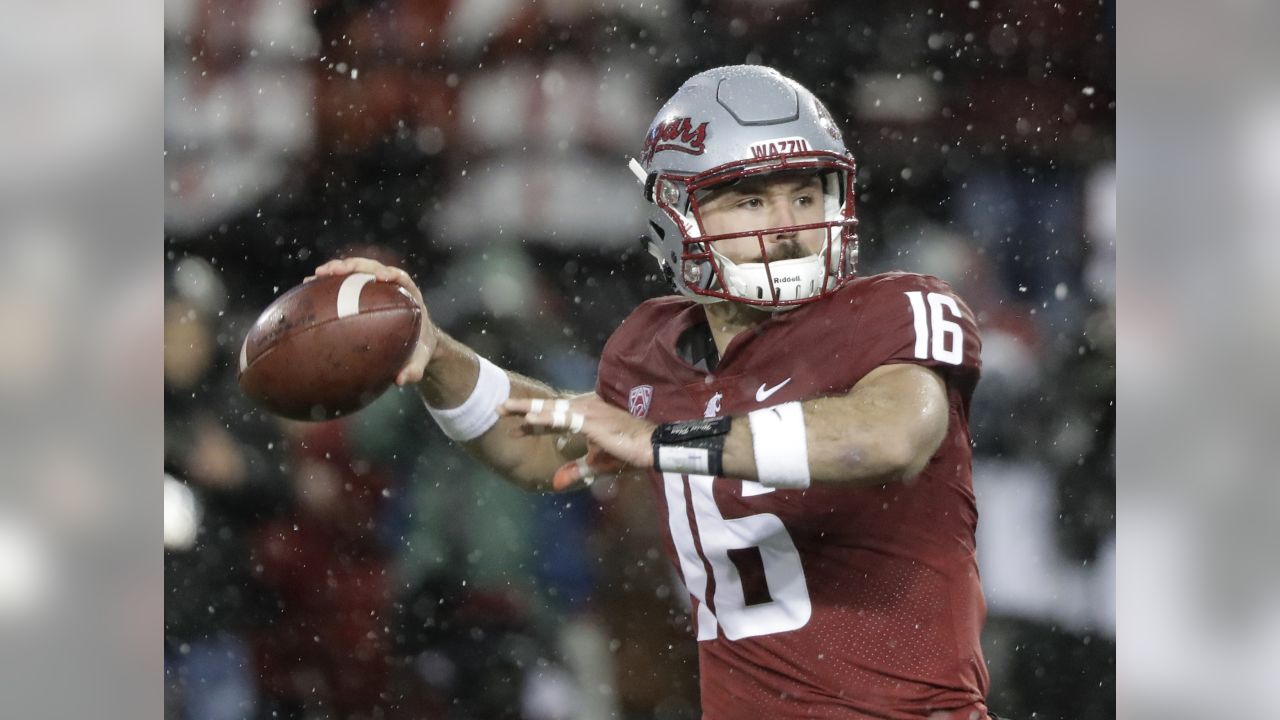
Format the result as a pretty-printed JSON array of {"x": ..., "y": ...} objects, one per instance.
[{"x": 805, "y": 430}]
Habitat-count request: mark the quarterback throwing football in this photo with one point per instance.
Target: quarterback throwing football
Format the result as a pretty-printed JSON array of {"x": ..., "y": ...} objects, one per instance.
[{"x": 805, "y": 429}]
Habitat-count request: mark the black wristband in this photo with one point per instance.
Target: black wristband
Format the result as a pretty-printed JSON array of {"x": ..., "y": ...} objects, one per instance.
[{"x": 695, "y": 447}]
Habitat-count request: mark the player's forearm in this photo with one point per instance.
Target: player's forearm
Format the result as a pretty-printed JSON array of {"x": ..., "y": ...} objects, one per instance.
[
  {"x": 879, "y": 433},
  {"x": 842, "y": 448},
  {"x": 450, "y": 376},
  {"x": 448, "y": 381},
  {"x": 527, "y": 461}
]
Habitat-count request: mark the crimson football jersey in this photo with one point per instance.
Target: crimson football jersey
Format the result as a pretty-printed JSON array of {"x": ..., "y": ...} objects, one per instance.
[{"x": 828, "y": 602}]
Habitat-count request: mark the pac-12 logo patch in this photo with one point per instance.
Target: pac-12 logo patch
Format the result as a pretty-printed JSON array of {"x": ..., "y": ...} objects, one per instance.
[{"x": 641, "y": 396}]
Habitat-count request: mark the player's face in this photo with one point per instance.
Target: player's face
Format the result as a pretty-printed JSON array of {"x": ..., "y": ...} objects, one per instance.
[{"x": 763, "y": 203}]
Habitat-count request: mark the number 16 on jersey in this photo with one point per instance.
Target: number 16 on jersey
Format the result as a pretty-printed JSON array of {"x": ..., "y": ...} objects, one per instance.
[
  {"x": 936, "y": 336},
  {"x": 789, "y": 606}
]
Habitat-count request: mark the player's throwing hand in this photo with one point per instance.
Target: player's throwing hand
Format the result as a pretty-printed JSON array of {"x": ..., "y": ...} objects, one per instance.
[
  {"x": 616, "y": 440},
  {"x": 429, "y": 336}
]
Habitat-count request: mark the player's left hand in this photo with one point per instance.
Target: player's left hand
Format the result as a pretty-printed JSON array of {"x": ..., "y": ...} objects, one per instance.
[{"x": 617, "y": 441}]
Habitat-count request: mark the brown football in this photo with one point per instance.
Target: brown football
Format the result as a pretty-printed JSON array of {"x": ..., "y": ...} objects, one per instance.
[{"x": 329, "y": 347}]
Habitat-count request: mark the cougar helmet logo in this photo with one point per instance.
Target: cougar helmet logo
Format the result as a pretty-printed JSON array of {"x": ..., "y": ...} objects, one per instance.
[{"x": 677, "y": 134}]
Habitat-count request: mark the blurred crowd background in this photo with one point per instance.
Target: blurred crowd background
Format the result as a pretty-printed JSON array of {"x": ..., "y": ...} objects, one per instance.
[{"x": 364, "y": 568}]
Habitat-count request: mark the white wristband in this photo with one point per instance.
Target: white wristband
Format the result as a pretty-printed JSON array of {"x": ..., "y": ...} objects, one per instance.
[
  {"x": 778, "y": 438},
  {"x": 479, "y": 411}
]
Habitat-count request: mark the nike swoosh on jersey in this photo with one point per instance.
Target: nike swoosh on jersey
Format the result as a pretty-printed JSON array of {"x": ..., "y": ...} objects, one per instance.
[{"x": 762, "y": 394}]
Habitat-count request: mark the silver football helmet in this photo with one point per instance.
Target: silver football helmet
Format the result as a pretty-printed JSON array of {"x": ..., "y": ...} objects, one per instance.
[{"x": 725, "y": 125}]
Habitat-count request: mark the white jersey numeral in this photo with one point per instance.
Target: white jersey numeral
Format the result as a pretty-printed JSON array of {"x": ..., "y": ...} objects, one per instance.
[
  {"x": 946, "y": 342},
  {"x": 789, "y": 606}
]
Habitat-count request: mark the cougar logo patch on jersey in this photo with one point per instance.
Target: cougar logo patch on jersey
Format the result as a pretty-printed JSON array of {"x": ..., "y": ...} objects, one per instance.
[
  {"x": 641, "y": 396},
  {"x": 713, "y": 406},
  {"x": 678, "y": 134}
]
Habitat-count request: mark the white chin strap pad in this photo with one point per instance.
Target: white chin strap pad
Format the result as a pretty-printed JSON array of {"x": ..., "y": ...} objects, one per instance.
[{"x": 794, "y": 279}]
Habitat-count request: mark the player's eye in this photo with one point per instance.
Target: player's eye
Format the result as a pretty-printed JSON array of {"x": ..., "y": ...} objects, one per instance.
[
  {"x": 753, "y": 203},
  {"x": 805, "y": 200}
]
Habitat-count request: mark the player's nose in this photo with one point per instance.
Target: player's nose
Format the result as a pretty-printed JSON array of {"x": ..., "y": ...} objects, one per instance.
[{"x": 782, "y": 215}]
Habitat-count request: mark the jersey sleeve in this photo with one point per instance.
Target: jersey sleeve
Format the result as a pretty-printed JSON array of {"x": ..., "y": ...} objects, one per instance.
[
  {"x": 608, "y": 375},
  {"x": 612, "y": 377},
  {"x": 618, "y": 380},
  {"x": 919, "y": 319}
]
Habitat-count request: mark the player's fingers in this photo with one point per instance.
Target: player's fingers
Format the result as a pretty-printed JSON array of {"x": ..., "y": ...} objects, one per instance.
[
  {"x": 337, "y": 266},
  {"x": 390, "y": 274},
  {"x": 557, "y": 414},
  {"x": 399, "y": 276},
  {"x": 384, "y": 273},
  {"x": 526, "y": 430},
  {"x": 347, "y": 266},
  {"x": 512, "y": 406},
  {"x": 595, "y": 465},
  {"x": 572, "y": 475},
  {"x": 373, "y": 267},
  {"x": 525, "y": 406},
  {"x": 544, "y": 425},
  {"x": 603, "y": 463},
  {"x": 577, "y": 475}
]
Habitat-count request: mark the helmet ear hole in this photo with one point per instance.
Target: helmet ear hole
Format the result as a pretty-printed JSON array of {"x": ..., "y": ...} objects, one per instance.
[
  {"x": 692, "y": 274},
  {"x": 668, "y": 193}
]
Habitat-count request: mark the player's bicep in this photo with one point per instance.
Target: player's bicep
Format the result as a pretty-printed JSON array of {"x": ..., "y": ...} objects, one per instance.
[{"x": 908, "y": 406}]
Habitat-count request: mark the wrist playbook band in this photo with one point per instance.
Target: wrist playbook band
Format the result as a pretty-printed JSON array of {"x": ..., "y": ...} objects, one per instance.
[
  {"x": 695, "y": 447},
  {"x": 778, "y": 438},
  {"x": 478, "y": 412}
]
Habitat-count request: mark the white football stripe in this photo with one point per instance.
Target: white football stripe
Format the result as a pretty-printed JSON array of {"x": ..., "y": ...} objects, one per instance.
[
  {"x": 349, "y": 293},
  {"x": 244, "y": 354}
]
